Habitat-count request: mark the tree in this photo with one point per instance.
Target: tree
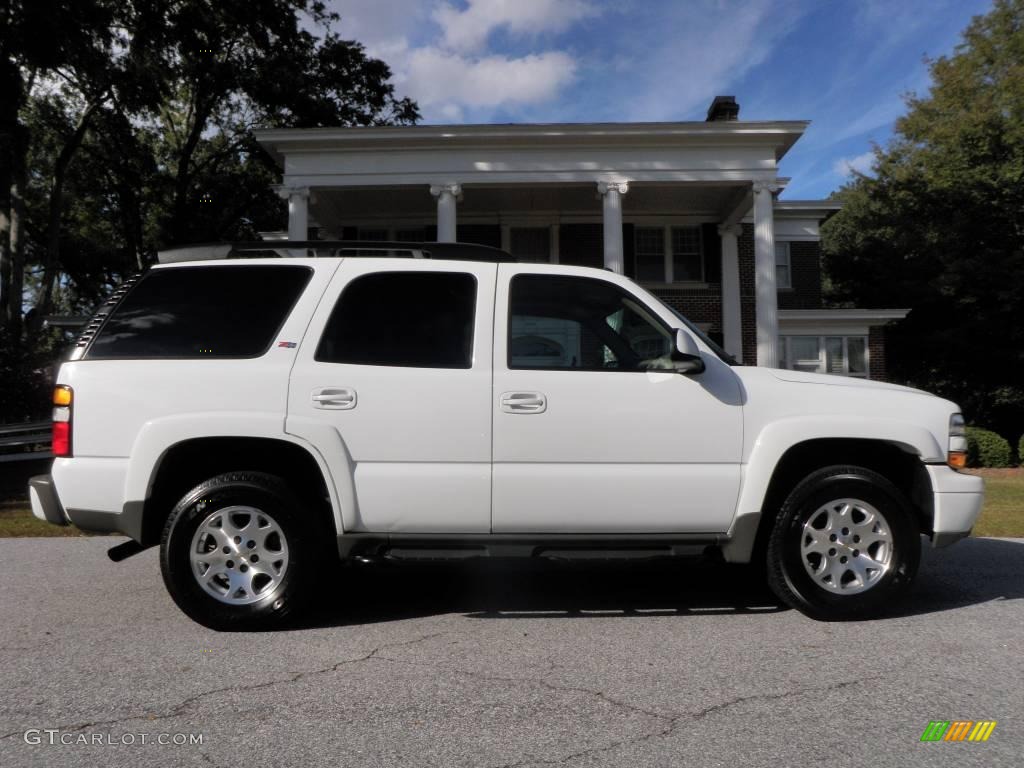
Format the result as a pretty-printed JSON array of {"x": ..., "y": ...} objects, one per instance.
[
  {"x": 939, "y": 227},
  {"x": 126, "y": 127}
]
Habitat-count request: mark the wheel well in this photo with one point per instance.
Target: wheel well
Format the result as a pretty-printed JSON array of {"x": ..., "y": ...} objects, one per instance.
[
  {"x": 190, "y": 462},
  {"x": 902, "y": 468}
]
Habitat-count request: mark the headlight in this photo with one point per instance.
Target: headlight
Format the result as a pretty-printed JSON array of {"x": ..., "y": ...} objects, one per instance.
[{"x": 957, "y": 458}]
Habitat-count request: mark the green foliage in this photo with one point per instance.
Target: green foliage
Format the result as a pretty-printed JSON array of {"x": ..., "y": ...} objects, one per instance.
[
  {"x": 1020, "y": 450},
  {"x": 987, "y": 449},
  {"x": 939, "y": 227},
  {"x": 26, "y": 379},
  {"x": 128, "y": 128}
]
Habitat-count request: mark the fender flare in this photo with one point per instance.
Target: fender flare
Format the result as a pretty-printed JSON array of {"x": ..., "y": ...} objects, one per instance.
[
  {"x": 157, "y": 437},
  {"x": 777, "y": 438}
]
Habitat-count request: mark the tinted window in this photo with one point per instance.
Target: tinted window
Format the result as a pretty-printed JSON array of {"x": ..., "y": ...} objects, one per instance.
[
  {"x": 583, "y": 324},
  {"x": 409, "y": 319},
  {"x": 224, "y": 311}
]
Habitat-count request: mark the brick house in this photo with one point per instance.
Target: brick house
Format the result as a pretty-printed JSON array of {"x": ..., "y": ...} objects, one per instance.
[{"x": 689, "y": 209}]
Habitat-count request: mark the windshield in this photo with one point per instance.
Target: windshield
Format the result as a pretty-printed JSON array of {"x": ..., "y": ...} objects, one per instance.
[{"x": 725, "y": 356}]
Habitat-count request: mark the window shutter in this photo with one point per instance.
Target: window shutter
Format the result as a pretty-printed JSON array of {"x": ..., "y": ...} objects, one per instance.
[
  {"x": 581, "y": 245},
  {"x": 712, "y": 253}
]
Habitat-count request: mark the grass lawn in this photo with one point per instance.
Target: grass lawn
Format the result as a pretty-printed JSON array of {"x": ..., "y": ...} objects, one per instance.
[
  {"x": 16, "y": 519},
  {"x": 1003, "y": 514}
]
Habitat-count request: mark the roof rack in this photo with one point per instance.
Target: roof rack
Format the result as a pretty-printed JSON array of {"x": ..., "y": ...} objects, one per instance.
[{"x": 328, "y": 248}]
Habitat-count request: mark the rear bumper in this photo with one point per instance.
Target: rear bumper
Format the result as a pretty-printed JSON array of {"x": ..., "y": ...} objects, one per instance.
[
  {"x": 957, "y": 499},
  {"x": 45, "y": 504}
]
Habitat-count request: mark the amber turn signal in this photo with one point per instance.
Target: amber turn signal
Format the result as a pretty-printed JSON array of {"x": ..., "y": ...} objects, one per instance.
[
  {"x": 62, "y": 395},
  {"x": 957, "y": 459}
]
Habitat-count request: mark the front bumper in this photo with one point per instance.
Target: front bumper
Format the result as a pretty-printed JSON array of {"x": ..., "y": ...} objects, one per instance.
[
  {"x": 45, "y": 504},
  {"x": 956, "y": 503}
]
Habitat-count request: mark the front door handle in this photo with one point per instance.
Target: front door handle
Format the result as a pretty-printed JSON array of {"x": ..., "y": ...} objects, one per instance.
[
  {"x": 523, "y": 402},
  {"x": 334, "y": 398}
]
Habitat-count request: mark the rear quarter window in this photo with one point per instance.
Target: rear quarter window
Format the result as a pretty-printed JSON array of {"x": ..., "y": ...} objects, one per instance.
[{"x": 194, "y": 312}]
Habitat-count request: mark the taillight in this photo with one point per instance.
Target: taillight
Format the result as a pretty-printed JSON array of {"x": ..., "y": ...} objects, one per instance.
[{"x": 63, "y": 398}]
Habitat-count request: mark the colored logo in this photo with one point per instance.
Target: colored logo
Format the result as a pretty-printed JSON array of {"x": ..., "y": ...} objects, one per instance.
[
  {"x": 287, "y": 344},
  {"x": 958, "y": 730}
]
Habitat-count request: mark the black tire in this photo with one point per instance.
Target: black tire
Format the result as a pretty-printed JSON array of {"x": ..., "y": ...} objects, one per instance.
[
  {"x": 263, "y": 492},
  {"x": 787, "y": 575}
]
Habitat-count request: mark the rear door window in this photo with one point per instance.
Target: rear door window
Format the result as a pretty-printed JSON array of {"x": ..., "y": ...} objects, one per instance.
[
  {"x": 194, "y": 312},
  {"x": 405, "y": 319}
]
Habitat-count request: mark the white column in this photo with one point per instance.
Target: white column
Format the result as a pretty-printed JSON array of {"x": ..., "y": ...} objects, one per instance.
[
  {"x": 298, "y": 211},
  {"x": 764, "y": 276},
  {"x": 447, "y": 195},
  {"x": 611, "y": 194},
  {"x": 732, "y": 328}
]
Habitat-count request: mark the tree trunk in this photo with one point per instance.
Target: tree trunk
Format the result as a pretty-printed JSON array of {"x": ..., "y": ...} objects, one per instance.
[
  {"x": 199, "y": 114},
  {"x": 17, "y": 233},
  {"x": 5, "y": 243},
  {"x": 51, "y": 259},
  {"x": 11, "y": 95}
]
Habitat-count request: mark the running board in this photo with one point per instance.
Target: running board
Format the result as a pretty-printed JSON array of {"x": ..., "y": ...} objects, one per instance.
[{"x": 373, "y": 546}]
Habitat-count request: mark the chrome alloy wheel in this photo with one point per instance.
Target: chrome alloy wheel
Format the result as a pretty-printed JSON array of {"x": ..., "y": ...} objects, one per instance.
[
  {"x": 846, "y": 546},
  {"x": 239, "y": 555}
]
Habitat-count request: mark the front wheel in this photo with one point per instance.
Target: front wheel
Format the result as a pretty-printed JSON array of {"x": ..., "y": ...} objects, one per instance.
[
  {"x": 236, "y": 553},
  {"x": 845, "y": 544}
]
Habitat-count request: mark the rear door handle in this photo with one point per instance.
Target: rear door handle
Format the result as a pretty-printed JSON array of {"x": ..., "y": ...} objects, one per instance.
[
  {"x": 523, "y": 402},
  {"x": 334, "y": 398}
]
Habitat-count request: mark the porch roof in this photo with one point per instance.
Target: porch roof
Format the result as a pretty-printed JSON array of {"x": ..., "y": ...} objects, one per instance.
[
  {"x": 781, "y": 135},
  {"x": 517, "y": 154}
]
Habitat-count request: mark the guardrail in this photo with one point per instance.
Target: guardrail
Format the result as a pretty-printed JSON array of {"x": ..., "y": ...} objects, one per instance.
[{"x": 25, "y": 442}]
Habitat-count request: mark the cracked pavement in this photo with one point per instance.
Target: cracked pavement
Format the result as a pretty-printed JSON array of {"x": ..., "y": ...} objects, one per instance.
[{"x": 508, "y": 665}]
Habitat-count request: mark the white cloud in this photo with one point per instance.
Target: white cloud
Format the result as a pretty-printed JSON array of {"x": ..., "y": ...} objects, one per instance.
[
  {"x": 700, "y": 49},
  {"x": 438, "y": 55},
  {"x": 846, "y": 166},
  {"x": 468, "y": 29},
  {"x": 880, "y": 116},
  {"x": 440, "y": 80}
]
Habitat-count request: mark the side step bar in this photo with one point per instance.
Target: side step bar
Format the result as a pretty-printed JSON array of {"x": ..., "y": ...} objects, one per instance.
[{"x": 373, "y": 546}]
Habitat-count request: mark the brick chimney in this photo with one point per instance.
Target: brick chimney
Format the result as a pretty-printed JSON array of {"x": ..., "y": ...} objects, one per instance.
[{"x": 723, "y": 108}]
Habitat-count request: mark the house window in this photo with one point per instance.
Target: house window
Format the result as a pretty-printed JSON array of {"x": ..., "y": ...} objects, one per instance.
[
  {"x": 410, "y": 235},
  {"x": 840, "y": 355},
  {"x": 687, "y": 263},
  {"x": 401, "y": 234},
  {"x": 650, "y": 254},
  {"x": 668, "y": 254},
  {"x": 374, "y": 234},
  {"x": 783, "y": 268}
]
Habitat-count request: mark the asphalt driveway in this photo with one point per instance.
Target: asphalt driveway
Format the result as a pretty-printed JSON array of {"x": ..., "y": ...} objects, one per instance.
[{"x": 506, "y": 665}]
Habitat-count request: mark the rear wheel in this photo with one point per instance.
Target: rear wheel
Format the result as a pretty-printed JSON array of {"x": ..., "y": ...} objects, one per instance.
[
  {"x": 236, "y": 553},
  {"x": 845, "y": 544}
]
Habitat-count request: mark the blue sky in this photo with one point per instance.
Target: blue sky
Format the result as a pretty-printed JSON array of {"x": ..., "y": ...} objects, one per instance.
[{"x": 842, "y": 64}]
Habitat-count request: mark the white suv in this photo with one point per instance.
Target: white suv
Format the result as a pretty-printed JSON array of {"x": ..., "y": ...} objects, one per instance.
[{"x": 259, "y": 418}]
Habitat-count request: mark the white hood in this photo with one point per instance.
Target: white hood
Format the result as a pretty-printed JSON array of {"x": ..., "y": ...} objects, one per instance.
[{"x": 801, "y": 377}]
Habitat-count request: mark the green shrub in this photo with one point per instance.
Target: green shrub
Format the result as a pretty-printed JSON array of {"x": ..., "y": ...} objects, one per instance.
[
  {"x": 986, "y": 449},
  {"x": 1020, "y": 451}
]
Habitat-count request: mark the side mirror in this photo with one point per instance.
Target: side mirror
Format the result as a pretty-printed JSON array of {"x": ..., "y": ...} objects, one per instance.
[{"x": 686, "y": 358}]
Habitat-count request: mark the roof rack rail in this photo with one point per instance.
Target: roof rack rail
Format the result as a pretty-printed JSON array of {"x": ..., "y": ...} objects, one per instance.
[{"x": 327, "y": 248}]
